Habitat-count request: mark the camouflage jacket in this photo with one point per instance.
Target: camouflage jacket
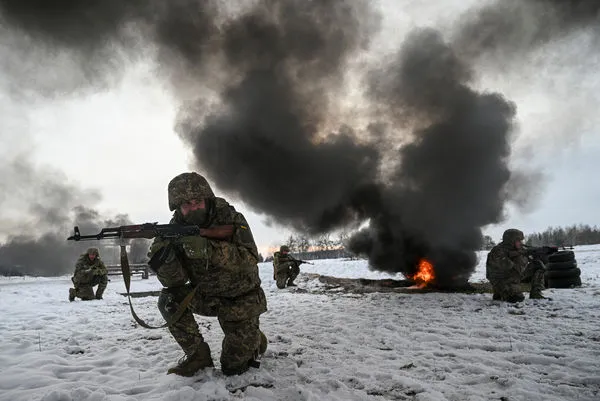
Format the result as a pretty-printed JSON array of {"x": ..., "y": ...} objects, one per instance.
[
  {"x": 281, "y": 261},
  {"x": 504, "y": 262},
  {"x": 85, "y": 269},
  {"x": 220, "y": 268}
]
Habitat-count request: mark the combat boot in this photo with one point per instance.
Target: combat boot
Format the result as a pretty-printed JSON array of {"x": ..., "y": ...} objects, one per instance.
[
  {"x": 496, "y": 297},
  {"x": 536, "y": 295},
  {"x": 290, "y": 283},
  {"x": 514, "y": 298},
  {"x": 190, "y": 364},
  {"x": 99, "y": 294},
  {"x": 72, "y": 294}
]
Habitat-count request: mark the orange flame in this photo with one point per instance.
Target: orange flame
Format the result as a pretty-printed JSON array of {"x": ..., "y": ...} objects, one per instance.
[{"x": 424, "y": 274}]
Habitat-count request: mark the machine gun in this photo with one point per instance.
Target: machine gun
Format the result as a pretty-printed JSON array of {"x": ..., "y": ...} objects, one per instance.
[{"x": 539, "y": 252}]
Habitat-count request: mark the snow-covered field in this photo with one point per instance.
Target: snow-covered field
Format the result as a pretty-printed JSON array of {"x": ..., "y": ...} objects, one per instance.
[{"x": 323, "y": 346}]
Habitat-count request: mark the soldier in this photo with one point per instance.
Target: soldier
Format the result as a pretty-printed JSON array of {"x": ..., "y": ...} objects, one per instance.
[
  {"x": 221, "y": 274},
  {"x": 507, "y": 266},
  {"x": 285, "y": 268},
  {"x": 89, "y": 272}
]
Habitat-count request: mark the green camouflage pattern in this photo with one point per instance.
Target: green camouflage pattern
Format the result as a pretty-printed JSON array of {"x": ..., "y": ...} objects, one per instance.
[
  {"x": 225, "y": 274},
  {"x": 188, "y": 186},
  {"x": 87, "y": 275},
  {"x": 507, "y": 267},
  {"x": 285, "y": 269}
]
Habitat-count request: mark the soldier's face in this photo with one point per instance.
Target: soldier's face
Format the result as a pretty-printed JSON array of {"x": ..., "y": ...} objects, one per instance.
[
  {"x": 92, "y": 256},
  {"x": 518, "y": 244},
  {"x": 192, "y": 205}
]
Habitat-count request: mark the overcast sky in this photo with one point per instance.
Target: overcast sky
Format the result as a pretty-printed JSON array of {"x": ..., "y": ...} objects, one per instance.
[{"x": 121, "y": 142}]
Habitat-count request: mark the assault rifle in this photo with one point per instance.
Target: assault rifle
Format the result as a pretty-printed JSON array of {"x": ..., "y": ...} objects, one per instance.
[
  {"x": 149, "y": 231},
  {"x": 299, "y": 261},
  {"x": 152, "y": 230},
  {"x": 539, "y": 252}
]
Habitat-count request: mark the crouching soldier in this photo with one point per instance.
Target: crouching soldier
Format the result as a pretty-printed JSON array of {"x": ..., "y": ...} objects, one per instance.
[
  {"x": 285, "y": 268},
  {"x": 89, "y": 272},
  {"x": 220, "y": 276},
  {"x": 507, "y": 266}
]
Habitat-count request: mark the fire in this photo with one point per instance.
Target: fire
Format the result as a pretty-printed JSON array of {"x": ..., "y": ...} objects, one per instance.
[{"x": 425, "y": 273}]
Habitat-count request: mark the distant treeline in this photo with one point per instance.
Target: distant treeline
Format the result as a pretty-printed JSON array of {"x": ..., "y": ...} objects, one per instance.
[
  {"x": 326, "y": 246},
  {"x": 581, "y": 234}
]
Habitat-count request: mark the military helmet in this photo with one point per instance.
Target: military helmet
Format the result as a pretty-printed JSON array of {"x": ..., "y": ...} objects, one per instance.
[
  {"x": 284, "y": 248},
  {"x": 511, "y": 235},
  {"x": 188, "y": 186},
  {"x": 93, "y": 251}
]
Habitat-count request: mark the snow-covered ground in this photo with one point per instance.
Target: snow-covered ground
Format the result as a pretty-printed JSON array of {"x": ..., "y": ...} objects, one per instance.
[{"x": 323, "y": 346}]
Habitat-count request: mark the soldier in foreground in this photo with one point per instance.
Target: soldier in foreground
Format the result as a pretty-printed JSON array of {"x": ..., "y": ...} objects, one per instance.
[
  {"x": 507, "y": 266},
  {"x": 221, "y": 274},
  {"x": 89, "y": 272},
  {"x": 285, "y": 268}
]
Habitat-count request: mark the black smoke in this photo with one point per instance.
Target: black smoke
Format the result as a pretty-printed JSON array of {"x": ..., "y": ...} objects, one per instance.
[
  {"x": 38, "y": 210},
  {"x": 266, "y": 143},
  {"x": 509, "y": 30},
  {"x": 449, "y": 180},
  {"x": 420, "y": 154}
]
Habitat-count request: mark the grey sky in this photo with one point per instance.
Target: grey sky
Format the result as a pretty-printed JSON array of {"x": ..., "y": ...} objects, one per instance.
[{"x": 121, "y": 141}]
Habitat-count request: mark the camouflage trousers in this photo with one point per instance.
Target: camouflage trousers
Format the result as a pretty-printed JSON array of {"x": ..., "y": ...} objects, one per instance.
[
  {"x": 286, "y": 274},
  {"x": 509, "y": 289},
  {"x": 238, "y": 318},
  {"x": 85, "y": 290}
]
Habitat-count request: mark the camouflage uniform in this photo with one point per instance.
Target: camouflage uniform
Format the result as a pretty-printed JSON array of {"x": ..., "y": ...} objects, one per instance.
[
  {"x": 285, "y": 268},
  {"x": 89, "y": 273},
  {"x": 225, "y": 273},
  {"x": 507, "y": 267}
]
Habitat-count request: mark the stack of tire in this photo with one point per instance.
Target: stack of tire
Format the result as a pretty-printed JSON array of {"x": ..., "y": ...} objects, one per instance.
[{"x": 562, "y": 270}]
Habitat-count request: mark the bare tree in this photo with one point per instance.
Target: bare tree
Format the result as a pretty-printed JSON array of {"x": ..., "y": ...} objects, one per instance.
[
  {"x": 292, "y": 243},
  {"x": 303, "y": 243}
]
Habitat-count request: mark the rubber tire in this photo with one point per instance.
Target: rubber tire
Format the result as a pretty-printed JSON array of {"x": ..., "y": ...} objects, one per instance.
[
  {"x": 562, "y": 265},
  {"x": 560, "y": 274},
  {"x": 561, "y": 256},
  {"x": 564, "y": 282}
]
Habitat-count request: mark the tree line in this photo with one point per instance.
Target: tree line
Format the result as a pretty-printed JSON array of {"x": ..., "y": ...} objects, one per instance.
[
  {"x": 577, "y": 234},
  {"x": 326, "y": 246}
]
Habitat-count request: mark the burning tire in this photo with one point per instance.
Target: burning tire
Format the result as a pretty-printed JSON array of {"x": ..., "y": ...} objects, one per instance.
[
  {"x": 561, "y": 265},
  {"x": 564, "y": 282},
  {"x": 563, "y": 273},
  {"x": 561, "y": 256}
]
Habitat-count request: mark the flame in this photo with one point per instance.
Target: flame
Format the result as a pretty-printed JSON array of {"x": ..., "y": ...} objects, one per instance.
[{"x": 424, "y": 274}]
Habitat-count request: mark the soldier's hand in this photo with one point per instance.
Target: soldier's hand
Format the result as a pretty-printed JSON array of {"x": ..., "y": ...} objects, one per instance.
[{"x": 195, "y": 247}]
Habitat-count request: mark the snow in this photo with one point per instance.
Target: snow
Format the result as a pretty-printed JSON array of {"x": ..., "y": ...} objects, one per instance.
[{"x": 323, "y": 345}]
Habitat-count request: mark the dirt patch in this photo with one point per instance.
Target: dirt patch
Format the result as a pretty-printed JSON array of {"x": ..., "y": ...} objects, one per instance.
[{"x": 361, "y": 286}]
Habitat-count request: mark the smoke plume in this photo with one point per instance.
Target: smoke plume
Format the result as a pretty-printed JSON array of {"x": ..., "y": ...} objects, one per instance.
[
  {"x": 449, "y": 180},
  {"x": 420, "y": 154},
  {"x": 508, "y": 30},
  {"x": 38, "y": 210},
  {"x": 266, "y": 143}
]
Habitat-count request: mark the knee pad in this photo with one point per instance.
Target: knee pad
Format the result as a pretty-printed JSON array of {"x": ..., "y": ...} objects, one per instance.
[{"x": 167, "y": 305}]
